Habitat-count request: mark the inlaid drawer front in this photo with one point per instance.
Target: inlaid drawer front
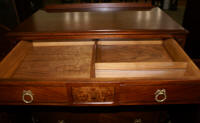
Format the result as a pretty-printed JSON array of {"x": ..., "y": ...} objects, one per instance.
[
  {"x": 33, "y": 95},
  {"x": 159, "y": 94},
  {"x": 93, "y": 94}
]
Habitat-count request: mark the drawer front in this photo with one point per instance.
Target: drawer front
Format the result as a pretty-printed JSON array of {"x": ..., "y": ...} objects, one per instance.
[
  {"x": 115, "y": 115},
  {"x": 33, "y": 95},
  {"x": 93, "y": 95},
  {"x": 171, "y": 94}
]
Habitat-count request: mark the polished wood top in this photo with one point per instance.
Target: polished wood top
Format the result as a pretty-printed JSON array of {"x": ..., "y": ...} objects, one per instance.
[
  {"x": 101, "y": 22},
  {"x": 97, "y": 6}
]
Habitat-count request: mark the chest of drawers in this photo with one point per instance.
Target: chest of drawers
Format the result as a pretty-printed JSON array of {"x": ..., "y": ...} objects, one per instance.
[{"x": 98, "y": 58}]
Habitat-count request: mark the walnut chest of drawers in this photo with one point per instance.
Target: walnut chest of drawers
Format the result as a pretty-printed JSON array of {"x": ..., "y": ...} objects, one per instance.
[{"x": 99, "y": 58}]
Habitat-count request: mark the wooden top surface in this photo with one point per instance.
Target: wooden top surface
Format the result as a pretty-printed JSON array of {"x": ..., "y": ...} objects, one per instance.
[{"x": 101, "y": 22}]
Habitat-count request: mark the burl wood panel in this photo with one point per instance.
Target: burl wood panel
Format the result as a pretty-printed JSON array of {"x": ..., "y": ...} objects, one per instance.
[
  {"x": 40, "y": 94},
  {"x": 93, "y": 94},
  {"x": 132, "y": 53},
  {"x": 56, "y": 62}
]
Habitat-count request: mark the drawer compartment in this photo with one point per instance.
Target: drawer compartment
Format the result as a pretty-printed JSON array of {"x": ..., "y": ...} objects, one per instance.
[
  {"x": 34, "y": 95},
  {"x": 48, "y": 60},
  {"x": 142, "y": 59},
  {"x": 166, "y": 94}
]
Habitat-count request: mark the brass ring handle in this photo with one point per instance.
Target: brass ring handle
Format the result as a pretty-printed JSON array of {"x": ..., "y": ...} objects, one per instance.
[
  {"x": 160, "y": 92},
  {"x": 27, "y": 93}
]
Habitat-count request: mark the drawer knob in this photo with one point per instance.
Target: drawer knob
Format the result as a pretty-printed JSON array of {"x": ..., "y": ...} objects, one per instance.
[
  {"x": 160, "y": 95},
  {"x": 29, "y": 94}
]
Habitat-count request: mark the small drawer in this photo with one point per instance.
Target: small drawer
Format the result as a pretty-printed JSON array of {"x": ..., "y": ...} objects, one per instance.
[
  {"x": 33, "y": 95},
  {"x": 166, "y": 94}
]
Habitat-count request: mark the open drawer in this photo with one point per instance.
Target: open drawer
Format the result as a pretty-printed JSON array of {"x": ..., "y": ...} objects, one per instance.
[
  {"x": 101, "y": 59},
  {"x": 98, "y": 72}
]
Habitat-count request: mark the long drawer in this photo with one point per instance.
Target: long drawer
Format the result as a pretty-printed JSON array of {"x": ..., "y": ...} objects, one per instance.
[{"x": 94, "y": 73}]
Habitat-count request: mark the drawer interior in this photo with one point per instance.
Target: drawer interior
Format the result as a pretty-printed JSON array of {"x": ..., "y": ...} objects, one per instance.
[
  {"x": 132, "y": 51},
  {"x": 49, "y": 60},
  {"x": 143, "y": 59},
  {"x": 98, "y": 59},
  {"x": 135, "y": 59}
]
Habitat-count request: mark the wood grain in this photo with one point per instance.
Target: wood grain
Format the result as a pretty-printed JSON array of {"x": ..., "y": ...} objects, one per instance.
[
  {"x": 140, "y": 65},
  {"x": 144, "y": 74},
  {"x": 56, "y": 62},
  {"x": 40, "y": 94},
  {"x": 93, "y": 94},
  {"x": 94, "y": 54},
  {"x": 97, "y": 7},
  {"x": 61, "y": 73},
  {"x": 178, "y": 54},
  {"x": 132, "y": 42},
  {"x": 175, "y": 94},
  {"x": 141, "y": 59},
  {"x": 78, "y": 23},
  {"x": 172, "y": 48},
  {"x": 132, "y": 53},
  {"x": 58, "y": 43},
  {"x": 9, "y": 64}
]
